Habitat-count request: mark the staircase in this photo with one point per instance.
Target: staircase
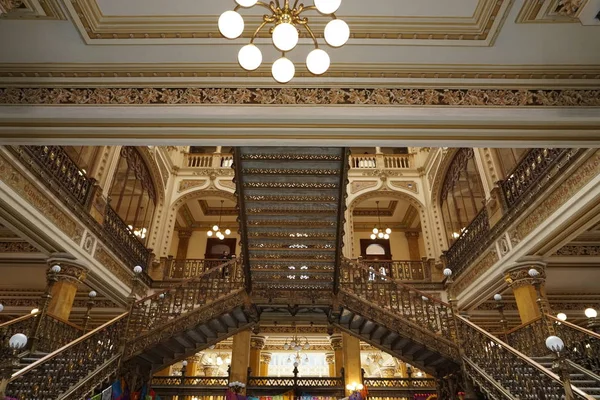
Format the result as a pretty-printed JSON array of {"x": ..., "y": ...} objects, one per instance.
[
  {"x": 580, "y": 378},
  {"x": 292, "y": 203},
  {"x": 159, "y": 330}
]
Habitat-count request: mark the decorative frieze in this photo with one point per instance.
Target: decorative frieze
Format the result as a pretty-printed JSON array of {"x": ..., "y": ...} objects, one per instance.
[
  {"x": 359, "y": 186},
  {"x": 578, "y": 250},
  {"x": 519, "y": 276},
  {"x": 303, "y": 96},
  {"x": 17, "y": 247}
]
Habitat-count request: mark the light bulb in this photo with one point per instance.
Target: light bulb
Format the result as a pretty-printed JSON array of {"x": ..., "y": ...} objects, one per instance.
[
  {"x": 591, "y": 313},
  {"x": 318, "y": 61},
  {"x": 246, "y": 3},
  {"x": 380, "y": 235},
  {"x": 373, "y": 236},
  {"x": 386, "y": 236},
  {"x": 555, "y": 344},
  {"x": 375, "y": 230},
  {"x": 328, "y": 6},
  {"x": 137, "y": 269},
  {"x": 337, "y": 33},
  {"x": 92, "y": 294},
  {"x": 209, "y": 233},
  {"x": 388, "y": 231},
  {"x": 250, "y": 57},
  {"x": 498, "y": 297},
  {"x": 215, "y": 228},
  {"x": 283, "y": 70},
  {"x": 17, "y": 341},
  {"x": 231, "y": 24},
  {"x": 35, "y": 311},
  {"x": 227, "y": 232},
  {"x": 285, "y": 36},
  {"x": 561, "y": 316},
  {"x": 447, "y": 272}
]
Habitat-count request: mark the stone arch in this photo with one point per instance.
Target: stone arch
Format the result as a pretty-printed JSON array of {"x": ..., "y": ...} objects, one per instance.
[
  {"x": 169, "y": 226},
  {"x": 397, "y": 193},
  {"x": 436, "y": 188}
]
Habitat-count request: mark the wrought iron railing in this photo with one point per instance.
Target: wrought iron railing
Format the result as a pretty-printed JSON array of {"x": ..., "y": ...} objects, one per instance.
[
  {"x": 307, "y": 382},
  {"x": 196, "y": 381},
  {"x": 470, "y": 242},
  {"x": 55, "y": 333},
  {"x": 74, "y": 370},
  {"x": 581, "y": 345},
  {"x": 403, "y": 270},
  {"x": 502, "y": 371},
  {"x": 184, "y": 300},
  {"x": 381, "y": 161},
  {"x": 424, "y": 313},
  {"x": 64, "y": 171},
  {"x": 528, "y": 173},
  {"x": 124, "y": 239},
  {"x": 24, "y": 325},
  {"x": 175, "y": 268},
  {"x": 399, "y": 383}
]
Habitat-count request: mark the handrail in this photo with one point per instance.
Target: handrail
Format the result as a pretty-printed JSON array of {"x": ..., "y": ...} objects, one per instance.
[
  {"x": 516, "y": 328},
  {"x": 18, "y": 319},
  {"x": 66, "y": 322},
  {"x": 573, "y": 326},
  {"x": 75, "y": 342},
  {"x": 521, "y": 356},
  {"x": 402, "y": 270}
]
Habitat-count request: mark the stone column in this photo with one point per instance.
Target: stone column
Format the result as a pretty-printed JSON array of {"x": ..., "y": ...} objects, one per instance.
[
  {"x": 330, "y": 359},
  {"x": 64, "y": 290},
  {"x": 240, "y": 356},
  {"x": 414, "y": 252},
  {"x": 403, "y": 369},
  {"x": 524, "y": 290},
  {"x": 352, "y": 367},
  {"x": 336, "y": 345},
  {"x": 184, "y": 243},
  {"x": 265, "y": 360},
  {"x": 257, "y": 343}
]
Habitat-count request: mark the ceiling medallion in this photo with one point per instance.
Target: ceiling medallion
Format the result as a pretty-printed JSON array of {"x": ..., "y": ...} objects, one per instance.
[{"x": 285, "y": 24}]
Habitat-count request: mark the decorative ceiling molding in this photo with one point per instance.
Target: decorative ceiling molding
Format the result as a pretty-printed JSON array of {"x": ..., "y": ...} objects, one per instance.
[
  {"x": 304, "y": 96},
  {"x": 551, "y": 11},
  {"x": 216, "y": 211},
  {"x": 17, "y": 246},
  {"x": 79, "y": 73},
  {"x": 31, "y": 9},
  {"x": 373, "y": 212},
  {"x": 480, "y": 28}
]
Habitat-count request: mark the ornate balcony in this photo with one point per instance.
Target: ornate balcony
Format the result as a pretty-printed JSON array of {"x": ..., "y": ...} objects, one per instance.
[
  {"x": 401, "y": 270},
  {"x": 175, "y": 268},
  {"x": 216, "y": 160},
  {"x": 381, "y": 161}
]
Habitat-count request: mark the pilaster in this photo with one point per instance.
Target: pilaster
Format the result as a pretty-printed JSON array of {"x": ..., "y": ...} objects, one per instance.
[
  {"x": 64, "y": 290},
  {"x": 257, "y": 343},
  {"x": 528, "y": 290},
  {"x": 336, "y": 345}
]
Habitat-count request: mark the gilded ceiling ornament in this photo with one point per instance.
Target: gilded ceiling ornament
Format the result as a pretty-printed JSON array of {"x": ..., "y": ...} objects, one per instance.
[
  {"x": 190, "y": 183},
  {"x": 569, "y": 8}
]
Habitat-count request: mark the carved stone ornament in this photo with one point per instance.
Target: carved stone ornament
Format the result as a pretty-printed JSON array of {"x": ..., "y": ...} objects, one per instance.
[
  {"x": 358, "y": 186},
  {"x": 330, "y": 358},
  {"x": 336, "y": 341},
  {"x": 265, "y": 358},
  {"x": 579, "y": 250},
  {"x": 408, "y": 185},
  {"x": 7, "y": 6},
  {"x": 19, "y": 246},
  {"x": 519, "y": 276},
  {"x": 69, "y": 271},
  {"x": 257, "y": 342}
]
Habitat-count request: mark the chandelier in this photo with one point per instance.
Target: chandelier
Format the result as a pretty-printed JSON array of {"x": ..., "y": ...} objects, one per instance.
[
  {"x": 216, "y": 230},
  {"x": 378, "y": 231},
  {"x": 285, "y": 23}
]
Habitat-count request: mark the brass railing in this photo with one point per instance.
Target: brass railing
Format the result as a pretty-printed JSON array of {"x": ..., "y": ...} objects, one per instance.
[
  {"x": 196, "y": 381},
  {"x": 175, "y": 268},
  {"x": 74, "y": 370},
  {"x": 55, "y": 333},
  {"x": 503, "y": 372},
  {"x": 381, "y": 161},
  {"x": 159, "y": 311},
  {"x": 403, "y": 301},
  {"x": 399, "y": 383},
  {"x": 470, "y": 242},
  {"x": 24, "y": 325},
  {"x": 403, "y": 270},
  {"x": 291, "y": 382},
  {"x": 581, "y": 345},
  {"x": 528, "y": 172},
  {"x": 216, "y": 160},
  {"x": 129, "y": 245},
  {"x": 64, "y": 171}
]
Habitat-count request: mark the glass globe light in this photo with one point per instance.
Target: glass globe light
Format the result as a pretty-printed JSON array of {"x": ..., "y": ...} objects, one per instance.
[
  {"x": 286, "y": 346},
  {"x": 447, "y": 272},
  {"x": 283, "y": 70},
  {"x": 561, "y": 316},
  {"x": 250, "y": 57},
  {"x": 591, "y": 313},
  {"x": 328, "y": 6},
  {"x": 17, "y": 341},
  {"x": 227, "y": 232},
  {"x": 56, "y": 269},
  {"x": 137, "y": 269},
  {"x": 184, "y": 363},
  {"x": 318, "y": 61},
  {"x": 386, "y": 236},
  {"x": 34, "y": 311},
  {"x": 215, "y": 228},
  {"x": 306, "y": 346},
  {"x": 285, "y": 36},
  {"x": 295, "y": 363},
  {"x": 231, "y": 24},
  {"x": 246, "y": 3},
  {"x": 388, "y": 231},
  {"x": 380, "y": 235},
  {"x": 1, "y": 307},
  {"x": 555, "y": 344},
  {"x": 209, "y": 233},
  {"x": 337, "y": 33},
  {"x": 293, "y": 343},
  {"x": 92, "y": 294},
  {"x": 533, "y": 272},
  {"x": 375, "y": 230},
  {"x": 497, "y": 297},
  {"x": 373, "y": 236}
]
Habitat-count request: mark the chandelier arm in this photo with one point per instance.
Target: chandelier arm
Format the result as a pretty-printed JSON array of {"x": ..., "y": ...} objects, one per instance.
[
  {"x": 265, "y": 5},
  {"x": 258, "y": 30},
  {"x": 312, "y": 35},
  {"x": 295, "y": 4}
]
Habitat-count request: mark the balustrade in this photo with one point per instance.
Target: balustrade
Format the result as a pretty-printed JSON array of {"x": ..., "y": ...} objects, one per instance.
[
  {"x": 24, "y": 325},
  {"x": 124, "y": 239},
  {"x": 502, "y": 371},
  {"x": 399, "y": 383},
  {"x": 381, "y": 161},
  {"x": 403, "y": 270},
  {"x": 470, "y": 243},
  {"x": 216, "y": 160},
  {"x": 55, "y": 333},
  {"x": 196, "y": 381},
  {"x": 175, "y": 268}
]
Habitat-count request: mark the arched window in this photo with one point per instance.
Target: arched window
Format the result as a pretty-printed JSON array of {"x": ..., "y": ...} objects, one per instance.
[
  {"x": 509, "y": 158},
  {"x": 462, "y": 194},
  {"x": 83, "y": 156},
  {"x": 132, "y": 193}
]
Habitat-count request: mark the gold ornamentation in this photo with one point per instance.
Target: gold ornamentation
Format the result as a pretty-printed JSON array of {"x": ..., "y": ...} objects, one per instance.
[
  {"x": 485, "y": 263},
  {"x": 578, "y": 250},
  {"x": 408, "y": 185},
  {"x": 519, "y": 276},
  {"x": 17, "y": 247},
  {"x": 114, "y": 266},
  {"x": 359, "y": 186},
  {"x": 569, "y": 8},
  {"x": 291, "y": 198},
  {"x": 306, "y": 96},
  {"x": 278, "y": 171},
  {"x": 257, "y": 342},
  {"x": 190, "y": 183}
]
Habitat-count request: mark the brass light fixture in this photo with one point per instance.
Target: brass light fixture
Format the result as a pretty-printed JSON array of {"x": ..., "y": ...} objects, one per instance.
[
  {"x": 378, "y": 231},
  {"x": 286, "y": 21},
  {"x": 216, "y": 229}
]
